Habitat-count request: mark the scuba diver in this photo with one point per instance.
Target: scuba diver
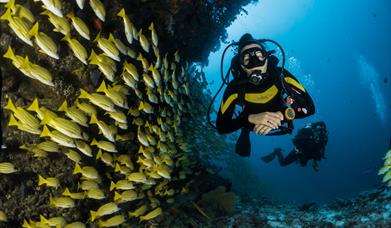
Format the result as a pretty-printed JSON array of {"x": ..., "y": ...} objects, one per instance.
[
  {"x": 310, "y": 143},
  {"x": 269, "y": 95}
]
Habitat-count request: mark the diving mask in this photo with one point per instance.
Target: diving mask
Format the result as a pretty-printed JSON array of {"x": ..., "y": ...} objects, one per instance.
[{"x": 252, "y": 57}]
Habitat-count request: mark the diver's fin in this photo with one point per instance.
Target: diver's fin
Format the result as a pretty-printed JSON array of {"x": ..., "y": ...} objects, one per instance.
[
  {"x": 243, "y": 144},
  {"x": 268, "y": 158}
]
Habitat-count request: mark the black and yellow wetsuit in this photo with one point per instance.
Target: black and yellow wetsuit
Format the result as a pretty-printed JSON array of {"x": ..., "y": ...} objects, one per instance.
[{"x": 262, "y": 98}]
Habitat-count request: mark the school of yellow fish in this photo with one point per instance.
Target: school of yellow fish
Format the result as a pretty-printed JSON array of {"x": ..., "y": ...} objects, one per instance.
[
  {"x": 141, "y": 103},
  {"x": 386, "y": 169}
]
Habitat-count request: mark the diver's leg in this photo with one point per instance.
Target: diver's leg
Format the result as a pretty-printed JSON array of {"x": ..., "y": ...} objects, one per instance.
[
  {"x": 292, "y": 156},
  {"x": 243, "y": 144}
]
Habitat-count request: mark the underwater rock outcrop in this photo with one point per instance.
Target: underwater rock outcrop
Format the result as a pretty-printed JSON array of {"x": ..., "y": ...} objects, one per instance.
[{"x": 102, "y": 110}]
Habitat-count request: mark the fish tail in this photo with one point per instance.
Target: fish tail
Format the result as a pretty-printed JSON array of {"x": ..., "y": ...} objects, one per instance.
[
  {"x": 141, "y": 106},
  {"x": 34, "y": 106},
  {"x": 93, "y": 215},
  {"x": 45, "y": 132},
  {"x": 13, "y": 121},
  {"x": 41, "y": 180},
  {"x": 43, "y": 219},
  {"x": 121, "y": 13},
  {"x": 119, "y": 137},
  {"x": 10, "y": 5},
  {"x": 93, "y": 58},
  {"x": 63, "y": 107},
  {"x": 7, "y": 15},
  {"x": 112, "y": 186},
  {"x": 117, "y": 196},
  {"x": 9, "y": 54},
  {"x": 66, "y": 192},
  {"x": 34, "y": 30},
  {"x": 10, "y": 105},
  {"x": 46, "y": 118},
  {"x": 97, "y": 37},
  {"x": 99, "y": 154},
  {"x": 117, "y": 167},
  {"x": 94, "y": 142},
  {"x": 151, "y": 27},
  {"x": 67, "y": 38},
  {"x": 93, "y": 120},
  {"x": 84, "y": 94},
  {"x": 77, "y": 169},
  {"x": 102, "y": 87}
]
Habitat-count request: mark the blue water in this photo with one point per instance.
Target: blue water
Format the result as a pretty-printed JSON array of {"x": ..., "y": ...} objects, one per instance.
[{"x": 340, "y": 51}]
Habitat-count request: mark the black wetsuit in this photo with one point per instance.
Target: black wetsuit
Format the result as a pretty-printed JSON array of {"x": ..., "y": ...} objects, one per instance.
[{"x": 262, "y": 98}]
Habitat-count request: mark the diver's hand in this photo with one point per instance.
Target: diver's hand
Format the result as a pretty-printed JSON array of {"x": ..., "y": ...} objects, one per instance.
[
  {"x": 269, "y": 119},
  {"x": 262, "y": 129}
]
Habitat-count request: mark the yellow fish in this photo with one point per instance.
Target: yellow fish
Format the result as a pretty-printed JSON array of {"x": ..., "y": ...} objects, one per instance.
[
  {"x": 86, "y": 108},
  {"x": 73, "y": 155},
  {"x": 47, "y": 45},
  {"x": 50, "y": 181},
  {"x": 105, "y": 158},
  {"x": 37, "y": 72},
  {"x": 60, "y": 23},
  {"x": 144, "y": 41},
  {"x": 87, "y": 184},
  {"x": 129, "y": 27},
  {"x": 108, "y": 47},
  {"x": 78, "y": 49},
  {"x": 131, "y": 69},
  {"x": 104, "y": 145},
  {"x": 75, "y": 225},
  {"x": 58, "y": 137},
  {"x": 76, "y": 195},
  {"x": 7, "y": 168},
  {"x": 87, "y": 171},
  {"x": 155, "y": 38},
  {"x": 17, "y": 61},
  {"x": 74, "y": 113},
  {"x": 22, "y": 126},
  {"x": 20, "y": 11},
  {"x": 107, "y": 131},
  {"x": 95, "y": 193},
  {"x": 79, "y": 25},
  {"x": 53, "y": 6},
  {"x": 116, "y": 97},
  {"x": 20, "y": 27},
  {"x": 105, "y": 67},
  {"x": 55, "y": 221},
  {"x": 83, "y": 147},
  {"x": 146, "y": 107},
  {"x": 48, "y": 146},
  {"x": 62, "y": 202},
  {"x": 137, "y": 177},
  {"x": 139, "y": 211},
  {"x": 125, "y": 196},
  {"x": 106, "y": 209},
  {"x": 36, "y": 151},
  {"x": 122, "y": 185},
  {"x": 21, "y": 114},
  {"x": 113, "y": 221},
  {"x": 98, "y": 8},
  {"x": 99, "y": 100},
  {"x": 65, "y": 126},
  {"x": 129, "y": 80},
  {"x": 155, "y": 74},
  {"x": 148, "y": 81}
]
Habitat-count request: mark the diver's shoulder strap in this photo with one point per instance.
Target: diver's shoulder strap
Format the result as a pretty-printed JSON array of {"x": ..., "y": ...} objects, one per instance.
[{"x": 241, "y": 85}]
